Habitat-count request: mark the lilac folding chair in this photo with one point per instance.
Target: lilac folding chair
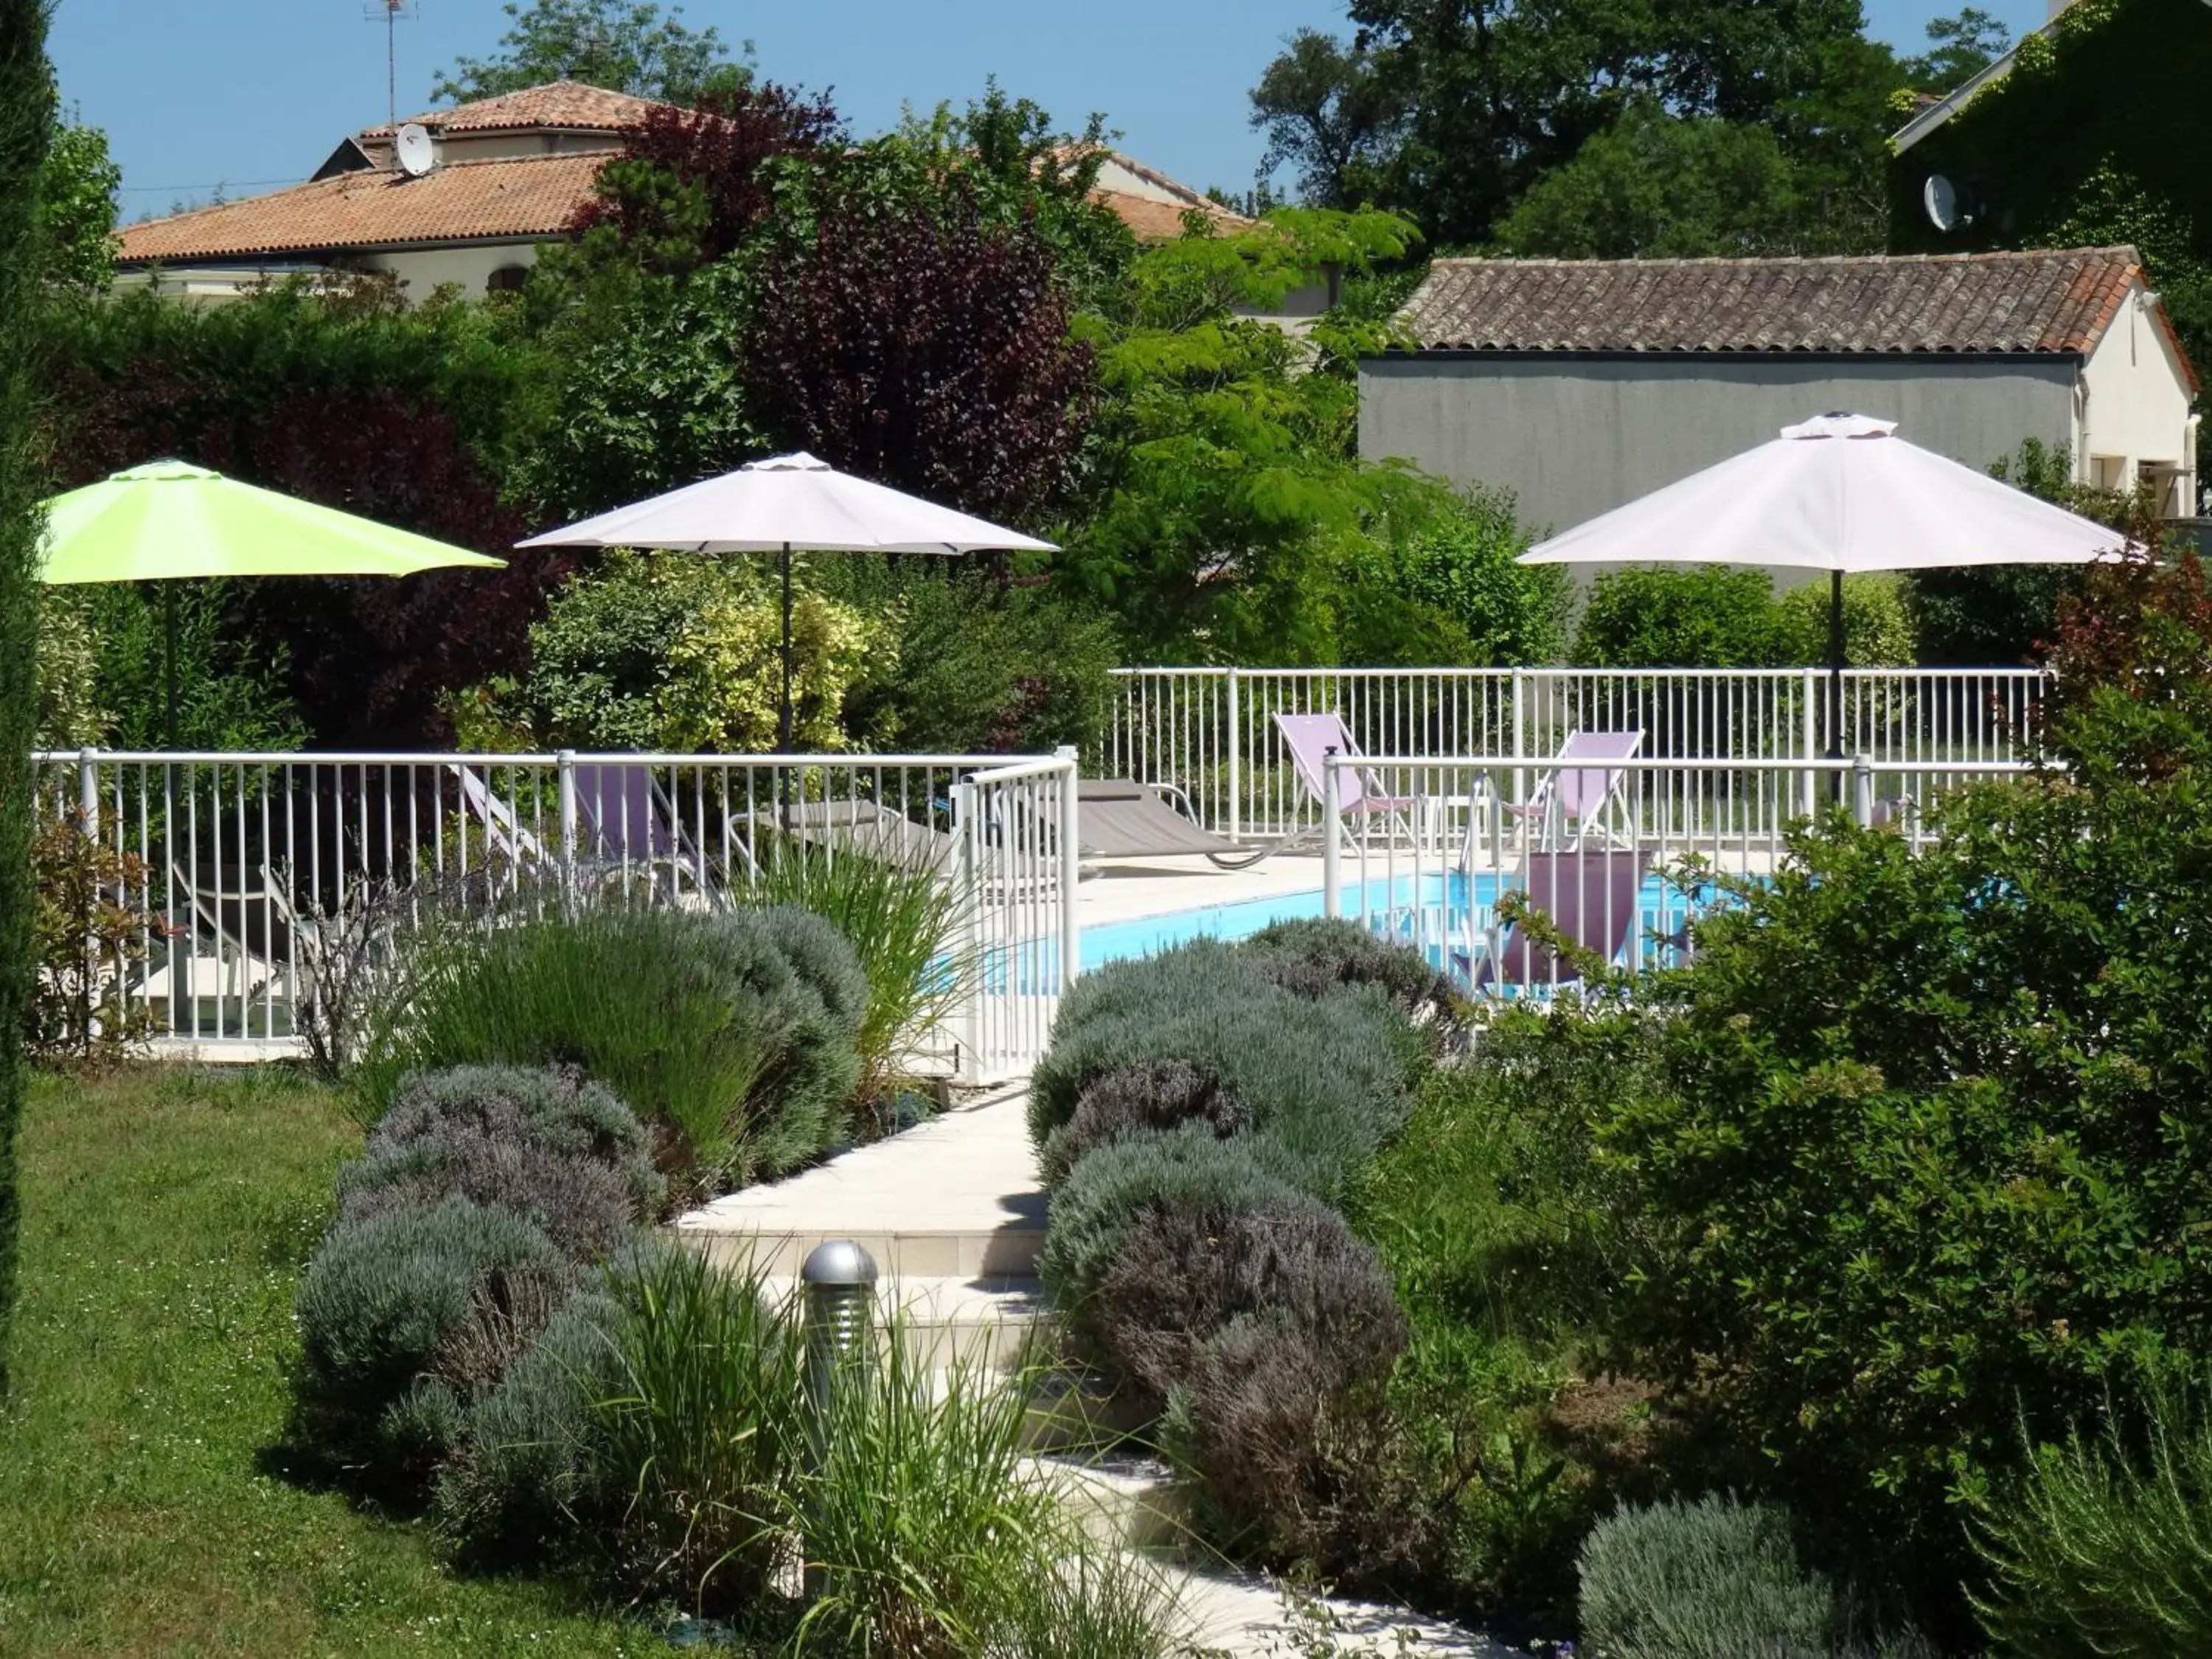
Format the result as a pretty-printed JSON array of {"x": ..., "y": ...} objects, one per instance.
[
  {"x": 628, "y": 823},
  {"x": 1593, "y": 898},
  {"x": 1311, "y": 740},
  {"x": 1572, "y": 800}
]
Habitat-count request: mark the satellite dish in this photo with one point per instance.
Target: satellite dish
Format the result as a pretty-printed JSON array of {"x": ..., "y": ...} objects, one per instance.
[
  {"x": 416, "y": 150},
  {"x": 1946, "y": 204}
]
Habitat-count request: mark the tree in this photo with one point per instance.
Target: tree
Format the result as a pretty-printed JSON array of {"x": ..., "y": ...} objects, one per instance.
[
  {"x": 1225, "y": 513},
  {"x": 624, "y": 45},
  {"x": 1326, "y": 112},
  {"x": 77, "y": 210},
  {"x": 927, "y": 350},
  {"x": 1960, "y": 48},
  {"x": 1452, "y": 109},
  {"x": 26, "y": 122},
  {"x": 1657, "y": 187}
]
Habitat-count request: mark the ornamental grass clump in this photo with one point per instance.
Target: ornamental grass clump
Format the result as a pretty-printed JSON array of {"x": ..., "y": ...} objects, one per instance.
[
  {"x": 904, "y": 922},
  {"x": 700, "y": 1021}
]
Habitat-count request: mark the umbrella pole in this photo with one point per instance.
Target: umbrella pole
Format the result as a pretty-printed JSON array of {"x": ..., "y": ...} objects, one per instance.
[
  {"x": 169, "y": 672},
  {"x": 783, "y": 702}
]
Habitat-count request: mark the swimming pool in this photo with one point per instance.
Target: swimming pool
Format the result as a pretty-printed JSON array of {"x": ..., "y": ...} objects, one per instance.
[{"x": 1445, "y": 900}]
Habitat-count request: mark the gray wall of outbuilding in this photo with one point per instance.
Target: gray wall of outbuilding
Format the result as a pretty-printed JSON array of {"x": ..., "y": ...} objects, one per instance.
[{"x": 1576, "y": 435}]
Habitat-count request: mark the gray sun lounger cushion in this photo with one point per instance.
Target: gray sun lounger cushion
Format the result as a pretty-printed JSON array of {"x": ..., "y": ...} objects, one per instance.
[{"x": 1119, "y": 818}]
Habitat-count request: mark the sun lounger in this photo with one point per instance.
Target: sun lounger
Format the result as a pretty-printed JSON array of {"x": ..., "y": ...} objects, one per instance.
[
  {"x": 856, "y": 826},
  {"x": 1572, "y": 800},
  {"x": 1594, "y": 899},
  {"x": 1121, "y": 819}
]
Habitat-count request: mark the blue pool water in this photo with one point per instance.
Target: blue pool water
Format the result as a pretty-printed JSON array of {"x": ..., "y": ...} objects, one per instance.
[{"x": 1444, "y": 900}]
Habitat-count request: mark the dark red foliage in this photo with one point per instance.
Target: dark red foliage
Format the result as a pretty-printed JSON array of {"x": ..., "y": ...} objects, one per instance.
[
  {"x": 928, "y": 351},
  {"x": 723, "y": 147},
  {"x": 369, "y": 656}
]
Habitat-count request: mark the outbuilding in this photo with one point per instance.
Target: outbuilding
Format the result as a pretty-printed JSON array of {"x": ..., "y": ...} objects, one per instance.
[{"x": 1581, "y": 384}]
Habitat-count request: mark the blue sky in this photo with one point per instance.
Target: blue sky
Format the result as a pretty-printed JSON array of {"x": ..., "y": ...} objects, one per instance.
[{"x": 249, "y": 92}]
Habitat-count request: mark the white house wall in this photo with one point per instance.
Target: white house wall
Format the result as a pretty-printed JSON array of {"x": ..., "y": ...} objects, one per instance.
[
  {"x": 2136, "y": 404},
  {"x": 1574, "y": 437},
  {"x": 423, "y": 270}
]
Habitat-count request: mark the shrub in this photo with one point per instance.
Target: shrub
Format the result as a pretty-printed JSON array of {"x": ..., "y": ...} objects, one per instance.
[
  {"x": 448, "y": 1295},
  {"x": 1183, "y": 1270},
  {"x": 1160, "y": 1094},
  {"x": 1326, "y": 1081},
  {"x": 698, "y": 1020},
  {"x": 1911, "y": 1173},
  {"x": 2101, "y": 1546},
  {"x": 563, "y": 1153},
  {"x": 902, "y": 920},
  {"x": 92, "y": 931},
  {"x": 1294, "y": 1462},
  {"x": 1712, "y": 616},
  {"x": 1110, "y": 1192},
  {"x": 1879, "y": 626},
  {"x": 979, "y": 671},
  {"x": 1716, "y": 1579},
  {"x": 673, "y": 653},
  {"x": 1311, "y": 957},
  {"x": 527, "y": 1478},
  {"x": 1463, "y": 565}
]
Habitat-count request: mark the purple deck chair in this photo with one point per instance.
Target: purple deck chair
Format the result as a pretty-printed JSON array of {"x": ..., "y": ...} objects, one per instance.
[
  {"x": 1593, "y": 898},
  {"x": 626, "y": 821},
  {"x": 1311, "y": 740},
  {"x": 1571, "y": 800}
]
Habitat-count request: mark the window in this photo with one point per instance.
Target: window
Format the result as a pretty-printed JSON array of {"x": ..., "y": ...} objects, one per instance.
[
  {"x": 2109, "y": 472},
  {"x": 507, "y": 279}
]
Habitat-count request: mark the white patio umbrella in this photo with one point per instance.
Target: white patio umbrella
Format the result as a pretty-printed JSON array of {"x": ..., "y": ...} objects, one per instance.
[
  {"x": 788, "y": 504},
  {"x": 1843, "y": 494}
]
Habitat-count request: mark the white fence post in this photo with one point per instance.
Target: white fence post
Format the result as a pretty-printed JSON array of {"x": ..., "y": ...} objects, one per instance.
[
  {"x": 1332, "y": 844},
  {"x": 1520, "y": 732},
  {"x": 964, "y": 866},
  {"x": 1070, "y": 835},
  {"x": 564, "y": 773},
  {"x": 1236, "y": 745},
  {"x": 87, "y": 788},
  {"x": 1863, "y": 792},
  {"x": 1811, "y": 723}
]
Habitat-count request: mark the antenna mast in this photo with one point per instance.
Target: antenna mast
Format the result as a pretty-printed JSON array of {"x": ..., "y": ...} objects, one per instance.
[{"x": 389, "y": 12}]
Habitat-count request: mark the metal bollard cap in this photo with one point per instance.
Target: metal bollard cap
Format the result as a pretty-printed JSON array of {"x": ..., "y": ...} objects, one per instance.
[{"x": 840, "y": 1262}]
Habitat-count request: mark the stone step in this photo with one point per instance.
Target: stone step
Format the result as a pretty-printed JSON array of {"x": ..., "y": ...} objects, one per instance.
[
  {"x": 954, "y": 1251},
  {"x": 1121, "y": 1499}
]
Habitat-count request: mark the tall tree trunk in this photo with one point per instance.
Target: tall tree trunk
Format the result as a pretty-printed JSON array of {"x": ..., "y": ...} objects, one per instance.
[{"x": 27, "y": 116}]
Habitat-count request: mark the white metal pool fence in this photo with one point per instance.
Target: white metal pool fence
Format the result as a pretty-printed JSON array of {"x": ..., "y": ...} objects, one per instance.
[
  {"x": 242, "y": 867},
  {"x": 1618, "y": 854},
  {"x": 1209, "y": 732}
]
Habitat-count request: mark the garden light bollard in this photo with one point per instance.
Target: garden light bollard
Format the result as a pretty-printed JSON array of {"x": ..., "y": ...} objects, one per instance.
[{"x": 840, "y": 1281}]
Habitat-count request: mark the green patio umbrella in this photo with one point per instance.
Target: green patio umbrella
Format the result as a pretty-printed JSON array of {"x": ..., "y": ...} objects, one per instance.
[{"x": 170, "y": 521}]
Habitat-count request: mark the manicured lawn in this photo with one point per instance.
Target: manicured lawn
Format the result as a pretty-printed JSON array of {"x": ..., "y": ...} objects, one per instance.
[{"x": 144, "y": 1508}]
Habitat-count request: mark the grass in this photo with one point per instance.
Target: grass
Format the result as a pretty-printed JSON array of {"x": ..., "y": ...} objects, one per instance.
[{"x": 166, "y": 1213}]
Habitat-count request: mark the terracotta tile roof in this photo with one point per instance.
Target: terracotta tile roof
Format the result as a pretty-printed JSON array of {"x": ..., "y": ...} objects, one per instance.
[
  {"x": 515, "y": 199},
  {"x": 569, "y": 105},
  {"x": 2052, "y": 302},
  {"x": 1151, "y": 220}
]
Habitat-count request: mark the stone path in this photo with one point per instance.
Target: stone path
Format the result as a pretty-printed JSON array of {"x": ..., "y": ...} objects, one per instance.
[{"x": 953, "y": 1213}]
